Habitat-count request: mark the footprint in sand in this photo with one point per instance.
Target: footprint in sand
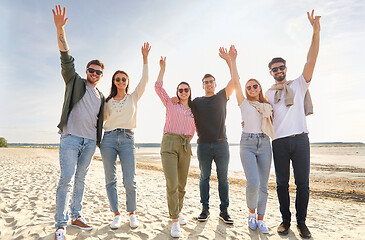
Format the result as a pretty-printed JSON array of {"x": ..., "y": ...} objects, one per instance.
[{"x": 9, "y": 219}]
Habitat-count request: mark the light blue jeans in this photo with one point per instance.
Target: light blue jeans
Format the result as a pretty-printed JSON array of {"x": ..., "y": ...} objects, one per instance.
[
  {"x": 119, "y": 142},
  {"x": 256, "y": 161},
  {"x": 75, "y": 158}
]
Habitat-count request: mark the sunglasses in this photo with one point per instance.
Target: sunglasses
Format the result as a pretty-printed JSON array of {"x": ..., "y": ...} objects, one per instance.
[
  {"x": 275, "y": 69},
  {"x": 255, "y": 86},
  {"x": 123, "y": 79},
  {"x": 92, "y": 70},
  {"x": 208, "y": 81},
  {"x": 183, "y": 89}
]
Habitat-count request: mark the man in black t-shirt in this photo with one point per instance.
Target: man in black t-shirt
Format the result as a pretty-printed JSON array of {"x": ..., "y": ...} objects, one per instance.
[{"x": 210, "y": 115}]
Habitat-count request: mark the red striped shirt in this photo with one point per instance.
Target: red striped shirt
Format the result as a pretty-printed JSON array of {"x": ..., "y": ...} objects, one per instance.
[{"x": 178, "y": 119}]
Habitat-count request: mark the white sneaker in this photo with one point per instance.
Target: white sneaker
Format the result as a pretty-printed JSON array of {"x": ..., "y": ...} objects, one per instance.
[
  {"x": 182, "y": 220},
  {"x": 133, "y": 221},
  {"x": 59, "y": 234},
  {"x": 261, "y": 225},
  {"x": 252, "y": 221},
  {"x": 175, "y": 230},
  {"x": 117, "y": 222}
]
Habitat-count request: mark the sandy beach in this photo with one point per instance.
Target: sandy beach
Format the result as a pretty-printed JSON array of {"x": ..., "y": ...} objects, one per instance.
[{"x": 29, "y": 178}]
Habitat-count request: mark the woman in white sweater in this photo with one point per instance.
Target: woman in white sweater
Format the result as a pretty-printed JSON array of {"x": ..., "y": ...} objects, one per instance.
[
  {"x": 120, "y": 116},
  {"x": 255, "y": 148}
]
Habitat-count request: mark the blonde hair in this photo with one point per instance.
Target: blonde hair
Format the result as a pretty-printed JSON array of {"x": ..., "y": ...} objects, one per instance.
[{"x": 262, "y": 98}]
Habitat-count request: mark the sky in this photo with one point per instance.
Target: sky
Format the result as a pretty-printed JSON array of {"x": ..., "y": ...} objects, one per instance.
[{"x": 189, "y": 33}]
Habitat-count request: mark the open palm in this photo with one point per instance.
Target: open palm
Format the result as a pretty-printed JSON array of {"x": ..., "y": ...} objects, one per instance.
[{"x": 59, "y": 16}]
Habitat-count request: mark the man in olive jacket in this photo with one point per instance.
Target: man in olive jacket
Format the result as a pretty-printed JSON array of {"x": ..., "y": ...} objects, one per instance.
[{"x": 80, "y": 128}]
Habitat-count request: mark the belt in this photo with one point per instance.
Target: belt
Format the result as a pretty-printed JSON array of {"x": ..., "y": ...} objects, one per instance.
[
  {"x": 185, "y": 139},
  {"x": 123, "y": 130},
  {"x": 294, "y": 135}
]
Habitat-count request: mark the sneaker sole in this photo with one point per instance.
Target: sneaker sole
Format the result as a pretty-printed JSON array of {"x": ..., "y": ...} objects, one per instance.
[
  {"x": 253, "y": 229},
  {"x": 227, "y": 222},
  {"x": 283, "y": 233},
  {"x": 302, "y": 236},
  {"x": 114, "y": 228},
  {"x": 203, "y": 219},
  {"x": 86, "y": 229},
  {"x": 264, "y": 232}
]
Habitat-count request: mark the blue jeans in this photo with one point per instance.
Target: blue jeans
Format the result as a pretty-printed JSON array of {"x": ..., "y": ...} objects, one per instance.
[
  {"x": 75, "y": 158},
  {"x": 219, "y": 152},
  {"x": 256, "y": 161},
  {"x": 119, "y": 142},
  {"x": 297, "y": 150}
]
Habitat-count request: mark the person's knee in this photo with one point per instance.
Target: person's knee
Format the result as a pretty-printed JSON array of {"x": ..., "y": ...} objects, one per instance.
[
  {"x": 302, "y": 185},
  {"x": 264, "y": 190},
  {"x": 129, "y": 184},
  {"x": 65, "y": 179},
  {"x": 252, "y": 185},
  {"x": 110, "y": 182},
  {"x": 205, "y": 174},
  {"x": 282, "y": 186}
]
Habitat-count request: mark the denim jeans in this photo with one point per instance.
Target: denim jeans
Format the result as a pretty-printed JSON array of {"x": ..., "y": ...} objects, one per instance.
[
  {"x": 297, "y": 150},
  {"x": 119, "y": 142},
  {"x": 255, "y": 154},
  {"x": 75, "y": 157},
  {"x": 219, "y": 152}
]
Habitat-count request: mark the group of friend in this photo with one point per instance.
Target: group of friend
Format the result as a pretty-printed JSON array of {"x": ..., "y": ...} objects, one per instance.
[{"x": 280, "y": 114}]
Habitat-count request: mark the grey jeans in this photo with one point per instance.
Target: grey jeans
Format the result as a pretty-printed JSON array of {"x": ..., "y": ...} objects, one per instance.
[{"x": 255, "y": 151}]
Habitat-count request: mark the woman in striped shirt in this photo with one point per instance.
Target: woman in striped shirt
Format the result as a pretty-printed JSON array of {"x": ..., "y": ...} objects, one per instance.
[{"x": 175, "y": 147}]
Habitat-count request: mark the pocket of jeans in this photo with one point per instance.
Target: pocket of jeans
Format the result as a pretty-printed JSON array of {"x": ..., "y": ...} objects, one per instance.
[
  {"x": 129, "y": 136},
  {"x": 107, "y": 133}
]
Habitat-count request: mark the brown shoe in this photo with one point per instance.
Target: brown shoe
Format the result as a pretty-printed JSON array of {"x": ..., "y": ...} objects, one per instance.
[
  {"x": 60, "y": 234},
  {"x": 283, "y": 228},
  {"x": 81, "y": 223}
]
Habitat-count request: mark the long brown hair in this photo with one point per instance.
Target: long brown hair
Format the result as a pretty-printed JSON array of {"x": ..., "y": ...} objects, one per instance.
[
  {"x": 113, "y": 89},
  {"x": 262, "y": 98}
]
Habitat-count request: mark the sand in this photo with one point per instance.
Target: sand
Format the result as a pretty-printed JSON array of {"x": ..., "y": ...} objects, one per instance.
[{"x": 29, "y": 179}]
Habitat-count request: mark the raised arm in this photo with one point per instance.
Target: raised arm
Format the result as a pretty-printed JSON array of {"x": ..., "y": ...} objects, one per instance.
[
  {"x": 230, "y": 86},
  {"x": 234, "y": 75},
  {"x": 162, "y": 69},
  {"x": 60, "y": 21},
  {"x": 158, "y": 85},
  {"x": 314, "y": 47},
  {"x": 143, "y": 82}
]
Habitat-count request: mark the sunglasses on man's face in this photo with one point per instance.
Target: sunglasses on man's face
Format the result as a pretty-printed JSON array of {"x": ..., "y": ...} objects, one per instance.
[
  {"x": 255, "y": 86},
  {"x": 208, "y": 81},
  {"x": 183, "y": 89},
  {"x": 275, "y": 69},
  {"x": 92, "y": 70},
  {"x": 123, "y": 79}
]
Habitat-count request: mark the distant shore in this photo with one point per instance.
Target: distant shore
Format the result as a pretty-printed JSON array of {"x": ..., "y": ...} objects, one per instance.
[{"x": 316, "y": 144}]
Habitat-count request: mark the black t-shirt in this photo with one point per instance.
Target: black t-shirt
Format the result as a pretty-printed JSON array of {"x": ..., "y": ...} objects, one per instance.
[{"x": 210, "y": 117}]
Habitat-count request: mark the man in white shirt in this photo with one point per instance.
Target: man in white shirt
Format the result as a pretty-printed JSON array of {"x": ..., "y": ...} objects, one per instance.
[{"x": 287, "y": 99}]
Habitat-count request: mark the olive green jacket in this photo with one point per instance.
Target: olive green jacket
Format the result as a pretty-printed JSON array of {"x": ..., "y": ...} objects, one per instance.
[{"x": 75, "y": 90}]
